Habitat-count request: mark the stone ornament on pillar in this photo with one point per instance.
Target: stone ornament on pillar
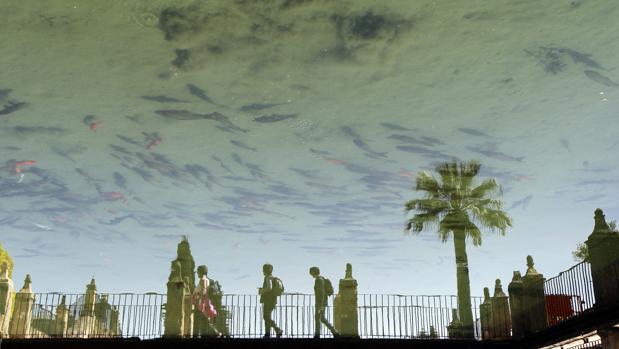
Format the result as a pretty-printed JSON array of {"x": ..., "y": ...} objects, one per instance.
[
  {"x": 7, "y": 294},
  {"x": 174, "y": 309},
  {"x": 603, "y": 247},
  {"x": 345, "y": 308},
  {"x": 485, "y": 316},
  {"x": 61, "y": 323},
  {"x": 534, "y": 299},
  {"x": 22, "y": 311}
]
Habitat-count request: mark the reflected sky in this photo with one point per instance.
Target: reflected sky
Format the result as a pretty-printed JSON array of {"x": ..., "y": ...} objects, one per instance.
[{"x": 291, "y": 132}]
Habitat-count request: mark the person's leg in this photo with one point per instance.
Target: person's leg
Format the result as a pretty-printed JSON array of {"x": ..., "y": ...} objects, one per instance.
[
  {"x": 268, "y": 322},
  {"x": 324, "y": 320},
  {"x": 317, "y": 320}
]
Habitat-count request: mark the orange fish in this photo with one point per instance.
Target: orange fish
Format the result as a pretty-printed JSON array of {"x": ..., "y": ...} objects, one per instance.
[
  {"x": 95, "y": 125},
  {"x": 153, "y": 143},
  {"x": 333, "y": 161},
  {"x": 113, "y": 196},
  {"x": 407, "y": 174}
]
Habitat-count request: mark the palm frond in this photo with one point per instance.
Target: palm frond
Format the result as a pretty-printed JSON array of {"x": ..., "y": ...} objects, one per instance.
[
  {"x": 426, "y": 182},
  {"x": 421, "y": 222},
  {"x": 487, "y": 187}
]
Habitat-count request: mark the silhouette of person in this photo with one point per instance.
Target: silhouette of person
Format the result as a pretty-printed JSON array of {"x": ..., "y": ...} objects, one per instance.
[
  {"x": 205, "y": 310},
  {"x": 269, "y": 299},
  {"x": 321, "y": 303}
]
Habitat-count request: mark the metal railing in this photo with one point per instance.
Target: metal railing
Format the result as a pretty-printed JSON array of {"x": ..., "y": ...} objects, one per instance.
[
  {"x": 569, "y": 293},
  {"x": 142, "y": 315}
]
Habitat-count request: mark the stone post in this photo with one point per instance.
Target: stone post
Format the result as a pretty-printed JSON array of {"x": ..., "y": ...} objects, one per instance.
[
  {"x": 485, "y": 316},
  {"x": 22, "y": 312},
  {"x": 603, "y": 246},
  {"x": 86, "y": 323},
  {"x": 62, "y": 319},
  {"x": 515, "y": 301},
  {"x": 454, "y": 330},
  {"x": 7, "y": 293},
  {"x": 187, "y": 275},
  {"x": 534, "y": 299},
  {"x": 345, "y": 307},
  {"x": 174, "y": 309},
  {"x": 501, "y": 318}
]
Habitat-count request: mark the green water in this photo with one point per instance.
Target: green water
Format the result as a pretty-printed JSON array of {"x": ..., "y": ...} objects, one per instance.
[{"x": 502, "y": 82}]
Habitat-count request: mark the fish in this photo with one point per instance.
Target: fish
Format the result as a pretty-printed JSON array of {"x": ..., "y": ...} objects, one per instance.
[
  {"x": 395, "y": 127},
  {"x": 66, "y": 151},
  {"x": 259, "y": 106},
  {"x": 319, "y": 152},
  {"x": 237, "y": 158},
  {"x": 579, "y": 57},
  {"x": 524, "y": 202},
  {"x": 472, "y": 132},
  {"x": 23, "y": 130},
  {"x": 11, "y": 107},
  {"x": 275, "y": 117},
  {"x": 242, "y": 145},
  {"x": 497, "y": 155},
  {"x": 221, "y": 163},
  {"x": 117, "y": 220},
  {"x": 361, "y": 144},
  {"x": 431, "y": 140},
  {"x": 4, "y": 92},
  {"x": 200, "y": 93},
  {"x": 600, "y": 79},
  {"x": 120, "y": 180},
  {"x": 305, "y": 173},
  {"x": 417, "y": 149},
  {"x": 128, "y": 140},
  {"x": 427, "y": 141},
  {"x": 181, "y": 114},
  {"x": 565, "y": 144},
  {"x": 120, "y": 149},
  {"x": 163, "y": 99}
]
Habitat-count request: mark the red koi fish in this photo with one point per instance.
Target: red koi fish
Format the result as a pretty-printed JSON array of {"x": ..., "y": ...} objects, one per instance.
[
  {"x": 93, "y": 126},
  {"x": 113, "y": 196},
  {"x": 333, "y": 161},
  {"x": 153, "y": 143}
]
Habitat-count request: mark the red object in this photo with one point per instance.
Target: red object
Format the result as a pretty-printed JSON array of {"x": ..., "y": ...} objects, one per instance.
[
  {"x": 113, "y": 196},
  {"x": 155, "y": 142},
  {"x": 334, "y": 161},
  {"x": 559, "y": 308},
  {"x": 204, "y": 305},
  {"x": 15, "y": 167},
  {"x": 95, "y": 125}
]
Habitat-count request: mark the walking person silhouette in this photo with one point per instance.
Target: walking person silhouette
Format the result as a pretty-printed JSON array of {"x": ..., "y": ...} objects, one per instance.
[
  {"x": 272, "y": 287},
  {"x": 322, "y": 290}
]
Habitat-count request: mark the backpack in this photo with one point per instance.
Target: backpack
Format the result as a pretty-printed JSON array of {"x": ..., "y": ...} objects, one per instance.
[
  {"x": 328, "y": 287},
  {"x": 277, "y": 286}
]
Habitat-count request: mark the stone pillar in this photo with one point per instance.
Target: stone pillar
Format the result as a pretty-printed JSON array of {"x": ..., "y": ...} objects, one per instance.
[
  {"x": 174, "y": 309},
  {"x": 485, "y": 316},
  {"x": 187, "y": 275},
  {"x": 22, "y": 311},
  {"x": 187, "y": 309},
  {"x": 603, "y": 246},
  {"x": 515, "y": 301},
  {"x": 501, "y": 318},
  {"x": 534, "y": 299},
  {"x": 86, "y": 323},
  {"x": 7, "y": 293},
  {"x": 454, "y": 330},
  {"x": 114, "y": 325},
  {"x": 345, "y": 311},
  {"x": 62, "y": 319}
]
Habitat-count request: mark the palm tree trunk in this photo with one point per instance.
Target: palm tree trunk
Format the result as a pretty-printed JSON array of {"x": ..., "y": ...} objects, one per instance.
[{"x": 464, "y": 287}]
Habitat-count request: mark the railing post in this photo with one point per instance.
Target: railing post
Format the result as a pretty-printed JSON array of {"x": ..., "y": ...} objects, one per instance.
[
  {"x": 485, "y": 316},
  {"x": 501, "y": 318},
  {"x": 174, "y": 307},
  {"x": 515, "y": 301},
  {"x": 7, "y": 293},
  {"x": 603, "y": 247},
  {"x": 345, "y": 308},
  {"x": 62, "y": 319},
  {"x": 534, "y": 299},
  {"x": 454, "y": 330},
  {"x": 22, "y": 312}
]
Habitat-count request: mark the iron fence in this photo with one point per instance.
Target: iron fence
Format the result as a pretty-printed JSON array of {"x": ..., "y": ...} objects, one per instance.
[
  {"x": 569, "y": 293},
  {"x": 142, "y": 315}
]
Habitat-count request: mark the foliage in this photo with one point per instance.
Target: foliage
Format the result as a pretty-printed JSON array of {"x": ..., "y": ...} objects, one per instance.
[
  {"x": 581, "y": 254},
  {"x": 454, "y": 204},
  {"x": 5, "y": 258}
]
